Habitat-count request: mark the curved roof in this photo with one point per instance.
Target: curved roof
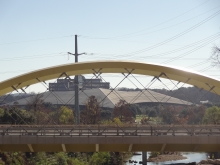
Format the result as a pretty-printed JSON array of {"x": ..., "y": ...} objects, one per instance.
[
  {"x": 182, "y": 75},
  {"x": 106, "y": 97}
]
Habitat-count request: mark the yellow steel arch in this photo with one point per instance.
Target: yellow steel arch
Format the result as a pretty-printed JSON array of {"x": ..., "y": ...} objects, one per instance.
[{"x": 181, "y": 75}]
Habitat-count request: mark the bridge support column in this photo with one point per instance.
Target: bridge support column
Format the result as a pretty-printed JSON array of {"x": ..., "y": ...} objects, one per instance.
[
  {"x": 144, "y": 158},
  {"x": 63, "y": 147},
  {"x": 217, "y": 155},
  {"x": 97, "y": 147},
  {"x": 30, "y": 148}
]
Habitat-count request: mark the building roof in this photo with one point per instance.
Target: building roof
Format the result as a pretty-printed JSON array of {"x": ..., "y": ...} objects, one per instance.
[{"x": 107, "y": 97}]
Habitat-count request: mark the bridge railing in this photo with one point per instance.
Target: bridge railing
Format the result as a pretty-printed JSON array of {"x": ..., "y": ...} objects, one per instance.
[{"x": 102, "y": 130}]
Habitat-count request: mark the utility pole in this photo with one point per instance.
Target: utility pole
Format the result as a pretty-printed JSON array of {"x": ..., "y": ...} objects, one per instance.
[{"x": 76, "y": 85}]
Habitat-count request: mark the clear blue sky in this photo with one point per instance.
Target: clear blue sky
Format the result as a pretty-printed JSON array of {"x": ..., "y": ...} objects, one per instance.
[{"x": 38, "y": 34}]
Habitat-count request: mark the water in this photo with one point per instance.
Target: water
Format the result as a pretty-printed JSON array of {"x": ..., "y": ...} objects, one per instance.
[{"x": 191, "y": 157}]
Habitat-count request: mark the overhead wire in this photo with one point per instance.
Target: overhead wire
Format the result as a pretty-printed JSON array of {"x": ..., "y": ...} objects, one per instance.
[
  {"x": 170, "y": 19},
  {"x": 155, "y": 45},
  {"x": 192, "y": 50},
  {"x": 42, "y": 39},
  {"x": 156, "y": 24},
  {"x": 176, "y": 36},
  {"x": 203, "y": 41},
  {"x": 34, "y": 56},
  {"x": 168, "y": 27}
]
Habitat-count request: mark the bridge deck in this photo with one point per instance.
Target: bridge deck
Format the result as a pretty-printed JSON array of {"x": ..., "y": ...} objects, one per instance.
[{"x": 36, "y": 138}]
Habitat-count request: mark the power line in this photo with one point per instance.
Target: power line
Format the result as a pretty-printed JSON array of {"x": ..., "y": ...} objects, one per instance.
[
  {"x": 113, "y": 56},
  {"x": 168, "y": 27},
  {"x": 34, "y": 56},
  {"x": 186, "y": 47},
  {"x": 170, "y": 19},
  {"x": 176, "y": 36},
  {"x": 187, "y": 53},
  {"x": 42, "y": 39},
  {"x": 121, "y": 36}
]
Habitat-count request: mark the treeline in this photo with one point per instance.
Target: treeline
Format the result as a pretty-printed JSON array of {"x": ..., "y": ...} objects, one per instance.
[
  {"x": 14, "y": 97},
  {"x": 43, "y": 113},
  {"x": 60, "y": 158},
  {"x": 173, "y": 114},
  {"x": 190, "y": 94},
  {"x": 176, "y": 114},
  {"x": 39, "y": 112}
]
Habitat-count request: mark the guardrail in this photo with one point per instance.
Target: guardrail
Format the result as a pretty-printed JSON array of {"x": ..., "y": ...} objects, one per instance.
[{"x": 109, "y": 130}]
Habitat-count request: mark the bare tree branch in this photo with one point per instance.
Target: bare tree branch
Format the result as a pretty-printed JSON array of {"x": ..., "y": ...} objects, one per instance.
[{"x": 215, "y": 57}]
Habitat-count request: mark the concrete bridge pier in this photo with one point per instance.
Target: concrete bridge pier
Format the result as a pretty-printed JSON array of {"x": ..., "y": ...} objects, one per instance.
[
  {"x": 144, "y": 157},
  {"x": 216, "y": 155}
]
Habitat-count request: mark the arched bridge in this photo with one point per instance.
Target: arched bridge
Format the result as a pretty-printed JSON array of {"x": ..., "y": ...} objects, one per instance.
[
  {"x": 31, "y": 138},
  {"x": 181, "y": 75}
]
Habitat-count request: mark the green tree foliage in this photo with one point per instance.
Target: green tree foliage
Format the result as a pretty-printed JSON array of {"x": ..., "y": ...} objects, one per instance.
[
  {"x": 12, "y": 158},
  {"x": 2, "y": 112},
  {"x": 100, "y": 158},
  {"x": 66, "y": 115},
  {"x": 75, "y": 161},
  {"x": 128, "y": 89},
  {"x": 92, "y": 112},
  {"x": 212, "y": 115},
  {"x": 168, "y": 114},
  {"x": 191, "y": 94},
  {"x": 171, "y": 114},
  {"x": 135, "y": 109},
  {"x": 61, "y": 158},
  {"x": 115, "y": 121},
  {"x": 35, "y": 105},
  {"x": 152, "y": 113},
  {"x": 122, "y": 111},
  {"x": 154, "y": 154},
  {"x": 193, "y": 114},
  {"x": 106, "y": 114},
  {"x": 35, "y": 102},
  {"x": 15, "y": 115}
]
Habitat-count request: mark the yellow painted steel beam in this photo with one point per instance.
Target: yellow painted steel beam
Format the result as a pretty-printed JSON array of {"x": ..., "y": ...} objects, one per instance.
[{"x": 182, "y": 75}]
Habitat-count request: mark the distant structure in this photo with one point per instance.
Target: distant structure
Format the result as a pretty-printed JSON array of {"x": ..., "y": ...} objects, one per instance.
[
  {"x": 68, "y": 84},
  {"x": 205, "y": 102}
]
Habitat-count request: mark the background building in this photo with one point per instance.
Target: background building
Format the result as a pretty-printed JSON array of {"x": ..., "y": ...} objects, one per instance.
[{"x": 68, "y": 84}]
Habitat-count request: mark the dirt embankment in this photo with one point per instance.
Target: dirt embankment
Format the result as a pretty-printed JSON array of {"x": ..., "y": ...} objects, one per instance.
[
  {"x": 167, "y": 157},
  {"x": 210, "y": 162}
]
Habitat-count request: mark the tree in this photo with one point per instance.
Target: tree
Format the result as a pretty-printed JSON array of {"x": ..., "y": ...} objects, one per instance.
[
  {"x": 106, "y": 114},
  {"x": 14, "y": 115},
  {"x": 152, "y": 113},
  {"x": 100, "y": 158},
  {"x": 13, "y": 158},
  {"x": 35, "y": 104},
  {"x": 168, "y": 114},
  {"x": 212, "y": 115},
  {"x": 215, "y": 56},
  {"x": 1, "y": 112},
  {"x": 122, "y": 111},
  {"x": 66, "y": 115},
  {"x": 195, "y": 114},
  {"x": 92, "y": 111},
  {"x": 41, "y": 158},
  {"x": 61, "y": 158}
]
